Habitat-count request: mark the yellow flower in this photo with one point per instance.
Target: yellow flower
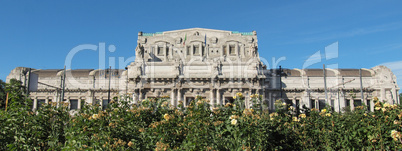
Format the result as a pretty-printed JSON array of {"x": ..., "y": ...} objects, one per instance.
[
  {"x": 130, "y": 144},
  {"x": 239, "y": 94},
  {"x": 95, "y": 116},
  {"x": 233, "y": 117},
  {"x": 295, "y": 119},
  {"x": 377, "y": 108},
  {"x": 233, "y": 122},
  {"x": 302, "y": 115},
  {"x": 377, "y": 104},
  {"x": 375, "y": 99},
  {"x": 166, "y": 117},
  {"x": 328, "y": 114},
  {"x": 291, "y": 108},
  {"x": 383, "y": 109},
  {"x": 323, "y": 110},
  {"x": 387, "y": 105},
  {"x": 395, "y": 135},
  {"x": 284, "y": 104},
  {"x": 234, "y": 97}
]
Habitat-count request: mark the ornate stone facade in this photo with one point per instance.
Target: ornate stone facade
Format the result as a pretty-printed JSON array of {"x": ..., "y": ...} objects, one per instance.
[{"x": 214, "y": 64}]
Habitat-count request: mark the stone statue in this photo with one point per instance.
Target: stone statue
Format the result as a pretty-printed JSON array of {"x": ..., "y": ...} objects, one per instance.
[
  {"x": 138, "y": 51},
  {"x": 252, "y": 50}
]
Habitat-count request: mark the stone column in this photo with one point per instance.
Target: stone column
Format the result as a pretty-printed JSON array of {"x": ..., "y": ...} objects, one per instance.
[
  {"x": 192, "y": 50},
  {"x": 89, "y": 98},
  {"x": 172, "y": 100},
  {"x": 185, "y": 51},
  {"x": 68, "y": 101},
  {"x": 212, "y": 98},
  {"x": 200, "y": 49},
  {"x": 135, "y": 96},
  {"x": 247, "y": 100},
  {"x": 171, "y": 52},
  {"x": 218, "y": 97},
  {"x": 179, "y": 98},
  {"x": 79, "y": 103},
  {"x": 47, "y": 100},
  {"x": 207, "y": 50},
  {"x": 382, "y": 95},
  {"x": 352, "y": 104},
  {"x": 164, "y": 52},
  {"x": 221, "y": 53},
  {"x": 237, "y": 50},
  {"x": 35, "y": 104},
  {"x": 228, "y": 50}
]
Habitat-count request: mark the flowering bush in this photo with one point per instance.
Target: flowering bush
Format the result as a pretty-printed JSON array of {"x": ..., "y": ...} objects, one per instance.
[{"x": 153, "y": 124}]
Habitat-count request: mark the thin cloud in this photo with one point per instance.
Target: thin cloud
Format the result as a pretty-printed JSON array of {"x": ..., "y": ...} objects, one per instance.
[{"x": 351, "y": 33}]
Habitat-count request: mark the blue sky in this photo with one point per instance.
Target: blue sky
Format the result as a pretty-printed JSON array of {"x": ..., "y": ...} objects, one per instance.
[{"x": 40, "y": 34}]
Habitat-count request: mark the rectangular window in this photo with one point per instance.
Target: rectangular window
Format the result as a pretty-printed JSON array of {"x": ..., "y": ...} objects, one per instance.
[
  {"x": 40, "y": 103},
  {"x": 232, "y": 49},
  {"x": 196, "y": 50},
  {"x": 312, "y": 103},
  {"x": 225, "y": 51},
  {"x": 289, "y": 102},
  {"x": 347, "y": 104},
  {"x": 167, "y": 51},
  {"x": 188, "y": 50},
  {"x": 357, "y": 103},
  {"x": 160, "y": 51},
  {"x": 188, "y": 100},
  {"x": 321, "y": 104},
  {"x": 73, "y": 104},
  {"x": 229, "y": 100},
  {"x": 368, "y": 104}
]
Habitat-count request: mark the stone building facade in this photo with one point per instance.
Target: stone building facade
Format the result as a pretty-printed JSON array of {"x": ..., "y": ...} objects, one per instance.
[{"x": 214, "y": 64}]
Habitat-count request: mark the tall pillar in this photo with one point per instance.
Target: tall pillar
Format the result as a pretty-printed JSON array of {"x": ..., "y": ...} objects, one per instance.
[
  {"x": 69, "y": 104},
  {"x": 179, "y": 98},
  {"x": 79, "y": 103},
  {"x": 237, "y": 50},
  {"x": 218, "y": 97},
  {"x": 164, "y": 52},
  {"x": 35, "y": 104},
  {"x": 200, "y": 48},
  {"x": 212, "y": 98},
  {"x": 172, "y": 100},
  {"x": 171, "y": 52},
  {"x": 382, "y": 95},
  {"x": 352, "y": 104},
  {"x": 192, "y": 50},
  {"x": 221, "y": 52},
  {"x": 135, "y": 96}
]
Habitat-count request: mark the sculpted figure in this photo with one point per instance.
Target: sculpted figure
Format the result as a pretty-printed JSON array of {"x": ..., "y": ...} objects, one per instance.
[{"x": 138, "y": 51}]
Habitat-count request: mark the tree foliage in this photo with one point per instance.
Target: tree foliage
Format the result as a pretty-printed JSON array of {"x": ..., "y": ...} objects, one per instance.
[
  {"x": 3, "y": 94},
  {"x": 153, "y": 124}
]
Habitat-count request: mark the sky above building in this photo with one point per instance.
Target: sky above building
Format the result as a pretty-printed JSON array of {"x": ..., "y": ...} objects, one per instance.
[{"x": 293, "y": 34}]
